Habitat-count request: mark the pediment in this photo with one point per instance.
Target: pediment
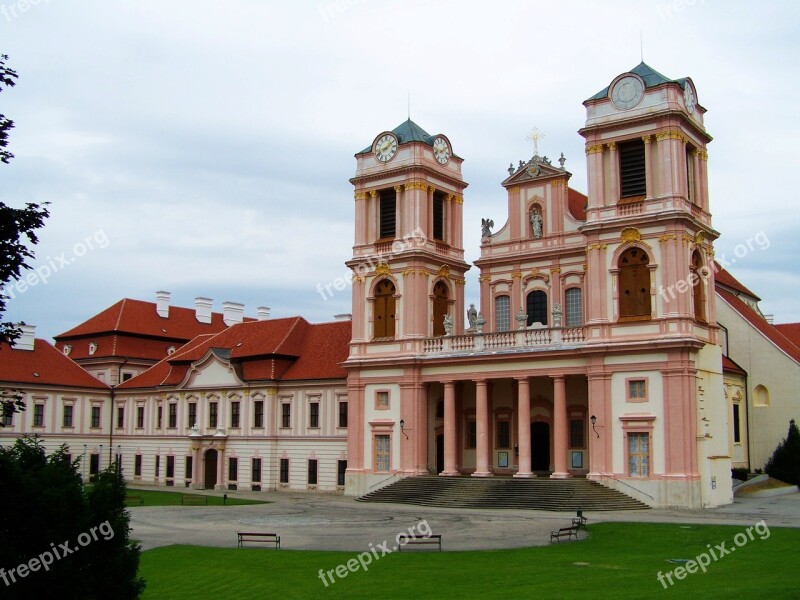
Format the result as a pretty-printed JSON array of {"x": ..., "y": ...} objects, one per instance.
[
  {"x": 537, "y": 168},
  {"x": 212, "y": 371}
]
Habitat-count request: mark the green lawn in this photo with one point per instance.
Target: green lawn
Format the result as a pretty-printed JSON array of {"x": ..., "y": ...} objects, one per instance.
[
  {"x": 623, "y": 562},
  {"x": 153, "y": 498}
]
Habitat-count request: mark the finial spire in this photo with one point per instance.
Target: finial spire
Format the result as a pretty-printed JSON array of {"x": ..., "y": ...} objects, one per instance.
[
  {"x": 641, "y": 45},
  {"x": 534, "y": 136}
]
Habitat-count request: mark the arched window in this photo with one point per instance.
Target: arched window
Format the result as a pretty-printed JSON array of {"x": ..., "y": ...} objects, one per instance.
[
  {"x": 384, "y": 309},
  {"x": 634, "y": 284},
  {"x": 502, "y": 313},
  {"x": 440, "y": 305},
  {"x": 574, "y": 307},
  {"x": 698, "y": 286},
  {"x": 536, "y": 307}
]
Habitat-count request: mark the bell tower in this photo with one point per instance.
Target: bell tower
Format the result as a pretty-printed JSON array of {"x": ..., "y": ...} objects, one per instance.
[{"x": 408, "y": 257}]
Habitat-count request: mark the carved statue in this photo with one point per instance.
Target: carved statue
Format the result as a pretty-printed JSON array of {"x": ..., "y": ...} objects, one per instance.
[
  {"x": 480, "y": 323},
  {"x": 486, "y": 228},
  {"x": 522, "y": 319},
  {"x": 557, "y": 314},
  {"x": 472, "y": 316},
  {"x": 448, "y": 325},
  {"x": 536, "y": 223}
]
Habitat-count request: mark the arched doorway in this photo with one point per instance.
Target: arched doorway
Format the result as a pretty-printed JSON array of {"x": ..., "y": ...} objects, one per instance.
[
  {"x": 210, "y": 462},
  {"x": 540, "y": 446},
  {"x": 384, "y": 309},
  {"x": 634, "y": 284},
  {"x": 440, "y": 302}
]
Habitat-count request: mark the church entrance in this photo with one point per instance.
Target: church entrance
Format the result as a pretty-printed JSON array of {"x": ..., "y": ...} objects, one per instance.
[
  {"x": 540, "y": 446},
  {"x": 210, "y": 460},
  {"x": 439, "y": 453}
]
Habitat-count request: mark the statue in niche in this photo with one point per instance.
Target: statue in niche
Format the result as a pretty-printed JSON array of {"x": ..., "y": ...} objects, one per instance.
[
  {"x": 448, "y": 325},
  {"x": 472, "y": 316},
  {"x": 536, "y": 223}
]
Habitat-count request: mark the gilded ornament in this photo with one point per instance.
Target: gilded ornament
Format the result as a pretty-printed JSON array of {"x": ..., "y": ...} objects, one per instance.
[{"x": 630, "y": 234}]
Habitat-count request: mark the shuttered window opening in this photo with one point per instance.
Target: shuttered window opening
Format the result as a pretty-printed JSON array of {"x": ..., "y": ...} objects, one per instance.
[
  {"x": 388, "y": 214},
  {"x": 632, "y": 170}
]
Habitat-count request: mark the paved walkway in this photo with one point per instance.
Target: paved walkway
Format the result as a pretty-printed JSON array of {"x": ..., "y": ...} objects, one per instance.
[{"x": 329, "y": 522}]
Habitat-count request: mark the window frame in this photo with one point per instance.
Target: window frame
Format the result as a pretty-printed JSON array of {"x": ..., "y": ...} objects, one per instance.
[
  {"x": 498, "y": 313},
  {"x": 569, "y": 315},
  {"x": 313, "y": 414},
  {"x": 313, "y": 472}
]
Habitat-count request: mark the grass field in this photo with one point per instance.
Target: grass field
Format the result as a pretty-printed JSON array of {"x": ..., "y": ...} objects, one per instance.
[
  {"x": 623, "y": 562},
  {"x": 152, "y": 498}
]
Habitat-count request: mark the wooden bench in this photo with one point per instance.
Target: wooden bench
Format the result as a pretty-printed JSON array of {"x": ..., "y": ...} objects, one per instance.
[
  {"x": 567, "y": 532},
  {"x": 419, "y": 541},
  {"x": 252, "y": 536},
  {"x": 579, "y": 521},
  {"x": 190, "y": 500},
  {"x": 134, "y": 501}
]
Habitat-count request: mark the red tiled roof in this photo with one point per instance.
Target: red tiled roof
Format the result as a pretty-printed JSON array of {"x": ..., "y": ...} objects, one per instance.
[
  {"x": 725, "y": 278},
  {"x": 791, "y": 331},
  {"x": 757, "y": 321},
  {"x": 287, "y": 349},
  {"x": 728, "y": 366},
  {"x": 44, "y": 365},
  {"x": 576, "y": 203}
]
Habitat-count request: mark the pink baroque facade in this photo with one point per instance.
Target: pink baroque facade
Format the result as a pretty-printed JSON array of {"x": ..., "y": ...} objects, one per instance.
[{"x": 594, "y": 350}]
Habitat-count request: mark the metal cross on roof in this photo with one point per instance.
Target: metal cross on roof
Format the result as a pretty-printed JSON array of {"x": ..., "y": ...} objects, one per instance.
[{"x": 534, "y": 136}]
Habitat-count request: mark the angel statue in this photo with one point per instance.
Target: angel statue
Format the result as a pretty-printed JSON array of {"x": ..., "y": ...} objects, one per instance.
[
  {"x": 486, "y": 228},
  {"x": 448, "y": 325}
]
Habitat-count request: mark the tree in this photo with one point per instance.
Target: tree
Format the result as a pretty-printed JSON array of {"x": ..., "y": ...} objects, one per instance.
[
  {"x": 16, "y": 225},
  {"x": 43, "y": 510},
  {"x": 784, "y": 464}
]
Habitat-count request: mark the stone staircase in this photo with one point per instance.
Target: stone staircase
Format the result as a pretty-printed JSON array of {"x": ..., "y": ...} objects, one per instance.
[{"x": 504, "y": 492}]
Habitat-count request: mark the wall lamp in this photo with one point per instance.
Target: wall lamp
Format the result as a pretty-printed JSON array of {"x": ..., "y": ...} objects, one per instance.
[
  {"x": 403, "y": 428},
  {"x": 593, "y": 419}
]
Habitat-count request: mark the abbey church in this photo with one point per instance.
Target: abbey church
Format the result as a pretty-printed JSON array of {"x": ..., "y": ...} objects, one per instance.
[{"x": 597, "y": 350}]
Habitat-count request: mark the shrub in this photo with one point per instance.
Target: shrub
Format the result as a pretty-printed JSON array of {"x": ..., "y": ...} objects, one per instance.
[{"x": 785, "y": 461}]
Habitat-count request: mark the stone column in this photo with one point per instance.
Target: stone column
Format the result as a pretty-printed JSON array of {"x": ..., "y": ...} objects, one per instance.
[
  {"x": 449, "y": 430},
  {"x": 559, "y": 428},
  {"x": 524, "y": 428},
  {"x": 220, "y": 469},
  {"x": 648, "y": 168},
  {"x": 615, "y": 192},
  {"x": 482, "y": 461},
  {"x": 421, "y": 428}
]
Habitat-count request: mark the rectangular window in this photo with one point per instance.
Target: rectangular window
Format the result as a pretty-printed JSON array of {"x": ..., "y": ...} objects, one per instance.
[
  {"x": 126, "y": 376},
  {"x": 158, "y": 465},
  {"x": 192, "y": 414},
  {"x": 188, "y": 469},
  {"x": 576, "y": 427},
  {"x": 94, "y": 464},
  {"x": 95, "y": 417},
  {"x": 212, "y": 415},
  {"x": 502, "y": 313},
  {"x": 38, "y": 415},
  {"x": 258, "y": 414},
  {"x": 382, "y": 453},
  {"x": 120, "y": 417},
  {"x": 639, "y": 454},
  {"x": 574, "y": 307},
  {"x": 438, "y": 216},
  {"x": 637, "y": 390},
  {"x": 256, "y": 470},
  {"x": 170, "y": 467},
  {"x": 632, "y": 178},
  {"x": 284, "y": 470},
  {"x": 286, "y": 415},
  {"x": 388, "y": 214},
  {"x": 312, "y": 472},
  {"x": 341, "y": 469},
  {"x": 313, "y": 415},
  {"x": 737, "y": 428},
  {"x": 342, "y": 414},
  {"x": 8, "y": 417},
  {"x": 67, "y": 422},
  {"x": 472, "y": 435},
  {"x": 173, "y": 415},
  {"x": 382, "y": 400},
  {"x": 140, "y": 417},
  {"x": 137, "y": 465},
  {"x": 503, "y": 434},
  {"x": 233, "y": 469},
  {"x": 160, "y": 416},
  {"x": 234, "y": 415},
  {"x": 690, "y": 158}
]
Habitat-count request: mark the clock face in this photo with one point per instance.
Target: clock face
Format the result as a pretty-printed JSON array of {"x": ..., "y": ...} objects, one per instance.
[
  {"x": 689, "y": 98},
  {"x": 627, "y": 92},
  {"x": 386, "y": 147},
  {"x": 441, "y": 151}
]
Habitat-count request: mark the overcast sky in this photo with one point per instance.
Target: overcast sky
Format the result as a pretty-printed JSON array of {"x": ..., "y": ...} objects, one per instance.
[{"x": 205, "y": 148}]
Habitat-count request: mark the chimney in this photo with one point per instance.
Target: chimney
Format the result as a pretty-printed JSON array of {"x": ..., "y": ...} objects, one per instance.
[
  {"x": 202, "y": 309},
  {"x": 263, "y": 313},
  {"x": 343, "y": 317},
  {"x": 25, "y": 340},
  {"x": 232, "y": 313},
  {"x": 162, "y": 304}
]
